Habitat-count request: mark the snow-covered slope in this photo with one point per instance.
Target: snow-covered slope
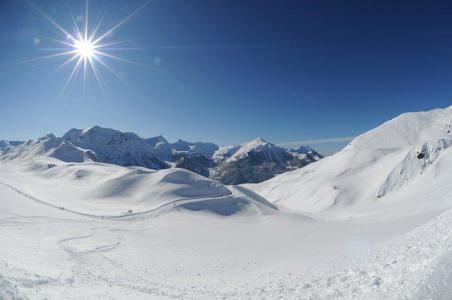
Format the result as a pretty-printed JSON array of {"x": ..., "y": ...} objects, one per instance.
[
  {"x": 257, "y": 161},
  {"x": 396, "y": 156},
  {"x": 50, "y": 146},
  {"x": 109, "y": 190},
  {"x": 115, "y": 147},
  {"x": 60, "y": 174},
  {"x": 225, "y": 152},
  {"x": 407, "y": 130}
]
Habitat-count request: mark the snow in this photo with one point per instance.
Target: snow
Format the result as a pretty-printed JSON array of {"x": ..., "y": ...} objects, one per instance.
[
  {"x": 109, "y": 190},
  {"x": 407, "y": 130},
  {"x": 112, "y": 146},
  {"x": 256, "y": 161},
  {"x": 380, "y": 161},
  {"x": 50, "y": 146},
  {"x": 156, "y": 141},
  {"x": 303, "y": 149},
  {"x": 225, "y": 152},
  {"x": 206, "y": 149},
  {"x": 166, "y": 151},
  {"x": 272, "y": 151},
  {"x": 370, "y": 222},
  {"x": 49, "y": 253}
]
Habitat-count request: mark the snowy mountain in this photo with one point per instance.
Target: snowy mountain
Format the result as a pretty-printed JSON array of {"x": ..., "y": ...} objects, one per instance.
[
  {"x": 206, "y": 149},
  {"x": 170, "y": 151},
  {"x": 399, "y": 157},
  {"x": 155, "y": 141},
  {"x": 257, "y": 161},
  {"x": 50, "y": 146},
  {"x": 115, "y": 147},
  {"x": 307, "y": 151},
  {"x": 252, "y": 162},
  {"x": 225, "y": 152}
]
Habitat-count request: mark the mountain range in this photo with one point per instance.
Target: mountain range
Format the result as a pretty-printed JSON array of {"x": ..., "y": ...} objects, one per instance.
[{"x": 253, "y": 162}]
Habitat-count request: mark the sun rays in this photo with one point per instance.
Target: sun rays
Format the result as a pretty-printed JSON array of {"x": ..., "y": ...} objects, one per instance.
[{"x": 86, "y": 48}]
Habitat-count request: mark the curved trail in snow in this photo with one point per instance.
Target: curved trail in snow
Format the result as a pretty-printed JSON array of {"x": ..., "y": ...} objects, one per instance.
[{"x": 166, "y": 207}]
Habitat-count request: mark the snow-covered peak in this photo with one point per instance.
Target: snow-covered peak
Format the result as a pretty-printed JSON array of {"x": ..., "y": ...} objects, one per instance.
[
  {"x": 304, "y": 149},
  {"x": 271, "y": 151},
  {"x": 102, "y": 136},
  {"x": 116, "y": 147},
  {"x": 156, "y": 141},
  {"x": 256, "y": 161},
  {"x": 225, "y": 152},
  {"x": 99, "y": 139},
  {"x": 50, "y": 146},
  {"x": 407, "y": 130},
  {"x": 166, "y": 150}
]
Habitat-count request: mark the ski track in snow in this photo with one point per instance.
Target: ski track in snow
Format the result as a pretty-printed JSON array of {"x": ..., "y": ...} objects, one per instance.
[{"x": 148, "y": 213}]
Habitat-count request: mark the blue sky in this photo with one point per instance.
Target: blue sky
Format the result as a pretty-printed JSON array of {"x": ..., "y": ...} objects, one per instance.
[{"x": 230, "y": 71}]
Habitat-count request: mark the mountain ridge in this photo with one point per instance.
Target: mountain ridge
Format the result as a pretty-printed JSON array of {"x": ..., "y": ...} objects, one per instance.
[{"x": 226, "y": 164}]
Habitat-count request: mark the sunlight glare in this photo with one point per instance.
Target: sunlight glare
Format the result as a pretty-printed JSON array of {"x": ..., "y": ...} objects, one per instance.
[{"x": 84, "y": 48}]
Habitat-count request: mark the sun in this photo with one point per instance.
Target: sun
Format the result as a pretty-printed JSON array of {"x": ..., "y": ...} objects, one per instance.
[{"x": 84, "y": 48}]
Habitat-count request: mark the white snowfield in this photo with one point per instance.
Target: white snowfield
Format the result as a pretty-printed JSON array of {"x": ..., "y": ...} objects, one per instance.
[
  {"x": 381, "y": 162},
  {"x": 371, "y": 222}
]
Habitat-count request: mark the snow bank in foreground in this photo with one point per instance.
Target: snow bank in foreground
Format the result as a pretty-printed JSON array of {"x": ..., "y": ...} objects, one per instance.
[{"x": 416, "y": 266}]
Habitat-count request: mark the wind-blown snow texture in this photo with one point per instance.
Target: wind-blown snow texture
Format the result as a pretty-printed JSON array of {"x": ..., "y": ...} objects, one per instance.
[{"x": 371, "y": 222}]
